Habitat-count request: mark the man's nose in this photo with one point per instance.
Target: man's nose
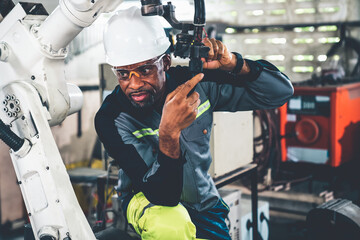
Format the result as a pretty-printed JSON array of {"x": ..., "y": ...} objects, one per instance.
[{"x": 135, "y": 80}]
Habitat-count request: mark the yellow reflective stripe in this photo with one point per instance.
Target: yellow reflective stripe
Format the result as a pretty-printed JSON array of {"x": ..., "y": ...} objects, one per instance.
[
  {"x": 203, "y": 108},
  {"x": 224, "y": 204},
  {"x": 145, "y": 132},
  {"x": 148, "y": 131}
]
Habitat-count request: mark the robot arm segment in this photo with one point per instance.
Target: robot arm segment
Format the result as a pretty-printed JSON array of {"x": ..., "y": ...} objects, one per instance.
[
  {"x": 46, "y": 67},
  {"x": 31, "y": 62},
  {"x": 69, "y": 18},
  {"x": 10, "y": 138},
  {"x": 32, "y": 67}
]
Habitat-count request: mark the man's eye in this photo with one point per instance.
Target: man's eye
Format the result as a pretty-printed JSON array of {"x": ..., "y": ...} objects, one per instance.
[
  {"x": 146, "y": 70},
  {"x": 123, "y": 74}
]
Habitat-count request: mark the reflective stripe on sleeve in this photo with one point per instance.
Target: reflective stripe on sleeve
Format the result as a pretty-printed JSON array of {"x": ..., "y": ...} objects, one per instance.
[
  {"x": 203, "y": 108},
  {"x": 148, "y": 131},
  {"x": 145, "y": 132}
]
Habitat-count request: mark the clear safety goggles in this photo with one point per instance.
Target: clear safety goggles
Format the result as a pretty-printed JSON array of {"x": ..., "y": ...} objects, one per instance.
[{"x": 144, "y": 71}]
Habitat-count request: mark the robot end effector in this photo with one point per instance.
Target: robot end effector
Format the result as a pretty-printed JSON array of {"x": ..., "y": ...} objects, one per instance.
[{"x": 187, "y": 45}]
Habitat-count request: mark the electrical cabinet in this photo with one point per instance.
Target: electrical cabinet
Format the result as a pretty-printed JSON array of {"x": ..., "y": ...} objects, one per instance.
[
  {"x": 246, "y": 215},
  {"x": 231, "y": 141},
  {"x": 322, "y": 125}
]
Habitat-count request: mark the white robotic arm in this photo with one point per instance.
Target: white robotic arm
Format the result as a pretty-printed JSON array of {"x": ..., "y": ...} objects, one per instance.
[
  {"x": 34, "y": 95},
  {"x": 68, "y": 19}
]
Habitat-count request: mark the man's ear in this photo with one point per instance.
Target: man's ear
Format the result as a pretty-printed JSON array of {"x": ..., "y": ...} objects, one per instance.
[{"x": 167, "y": 62}]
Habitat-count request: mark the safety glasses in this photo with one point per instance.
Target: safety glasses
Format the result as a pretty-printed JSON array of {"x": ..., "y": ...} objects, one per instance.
[{"x": 144, "y": 71}]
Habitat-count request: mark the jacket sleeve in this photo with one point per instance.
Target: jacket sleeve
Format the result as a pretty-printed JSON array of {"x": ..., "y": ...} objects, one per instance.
[
  {"x": 161, "y": 182},
  {"x": 264, "y": 87}
]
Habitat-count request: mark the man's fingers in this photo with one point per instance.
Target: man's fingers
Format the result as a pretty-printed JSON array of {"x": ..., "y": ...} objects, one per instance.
[
  {"x": 207, "y": 43},
  {"x": 186, "y": 87},
  {"x": 215, "y": 48},
  {"x": 196, "y": 104},
  {"x": 173, "y": 93},
  {"x": 195, "y": 107},
  {"x": 226, "y": 51},
  {"x": 221, "y": 49},
  {"x": 205, "y": 63},
  {"x": 190, "y": 84},
  {"x": 193, "y": 97}
]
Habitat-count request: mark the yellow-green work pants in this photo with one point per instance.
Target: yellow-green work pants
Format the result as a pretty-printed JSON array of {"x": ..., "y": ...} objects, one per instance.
[{"x": 159, "y": 222}]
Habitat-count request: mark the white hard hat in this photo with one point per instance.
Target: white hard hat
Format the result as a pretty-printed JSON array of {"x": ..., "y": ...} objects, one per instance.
[{"x": 131, "y": 38}]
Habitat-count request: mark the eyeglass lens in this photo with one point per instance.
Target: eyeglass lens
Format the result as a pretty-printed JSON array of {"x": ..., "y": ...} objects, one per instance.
[{"x": 143, "y": 71}]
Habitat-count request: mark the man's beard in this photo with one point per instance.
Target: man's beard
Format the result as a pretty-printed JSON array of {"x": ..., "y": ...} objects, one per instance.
[{"x": 145, "y": 104}]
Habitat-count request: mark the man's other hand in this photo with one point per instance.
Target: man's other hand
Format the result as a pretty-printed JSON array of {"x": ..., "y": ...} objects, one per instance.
[{"x": 219, "y": 56}]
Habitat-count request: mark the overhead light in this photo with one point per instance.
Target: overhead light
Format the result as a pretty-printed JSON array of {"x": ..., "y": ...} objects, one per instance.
[{"x": 230, "y": 30}]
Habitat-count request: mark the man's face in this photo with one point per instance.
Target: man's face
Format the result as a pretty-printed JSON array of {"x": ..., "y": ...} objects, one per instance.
[{"x": 143, "y": 83}]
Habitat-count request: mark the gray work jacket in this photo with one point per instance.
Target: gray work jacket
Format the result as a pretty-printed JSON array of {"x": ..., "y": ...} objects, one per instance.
[{"x": 264, "y": 88}]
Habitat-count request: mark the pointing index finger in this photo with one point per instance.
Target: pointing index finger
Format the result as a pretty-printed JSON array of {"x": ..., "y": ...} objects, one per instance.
[{"x": 189, "y": 85}]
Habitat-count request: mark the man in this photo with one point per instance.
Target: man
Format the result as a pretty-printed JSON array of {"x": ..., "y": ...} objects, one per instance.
[{"x": 159, "y": 133}]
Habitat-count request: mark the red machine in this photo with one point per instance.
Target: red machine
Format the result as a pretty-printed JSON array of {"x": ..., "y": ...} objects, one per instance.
[{"x": 322, "y": 125}]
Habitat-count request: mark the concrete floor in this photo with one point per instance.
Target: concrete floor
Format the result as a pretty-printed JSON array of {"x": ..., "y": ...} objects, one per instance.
[
  {"x": 285, "y": 229},
  {"x": 280, "y": 229},
  {"x": 285, "y": 225}
]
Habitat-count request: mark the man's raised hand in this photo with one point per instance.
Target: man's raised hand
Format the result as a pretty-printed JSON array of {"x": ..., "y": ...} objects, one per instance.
[{"x": 179, "y": 112}]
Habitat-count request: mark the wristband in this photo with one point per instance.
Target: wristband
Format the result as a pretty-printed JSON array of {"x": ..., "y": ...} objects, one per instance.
[
  {"x": 255, "y": 70},
  {"x": 239, "y": 63}
]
